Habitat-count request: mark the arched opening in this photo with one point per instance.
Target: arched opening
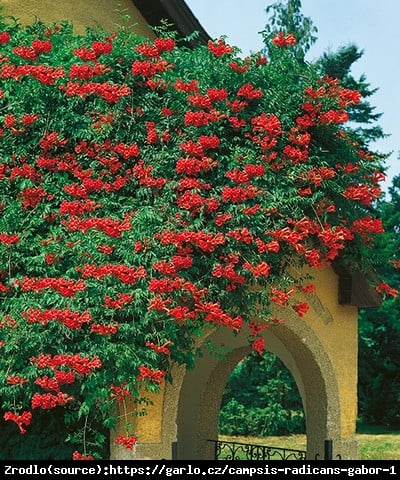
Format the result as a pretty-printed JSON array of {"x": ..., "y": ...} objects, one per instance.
[
  {"x": 261, "y": 400},
  {"x": 204, "y": 386}
]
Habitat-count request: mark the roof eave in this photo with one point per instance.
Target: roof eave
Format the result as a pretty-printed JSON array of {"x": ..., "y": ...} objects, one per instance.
[{"x": 175, "y": 12}]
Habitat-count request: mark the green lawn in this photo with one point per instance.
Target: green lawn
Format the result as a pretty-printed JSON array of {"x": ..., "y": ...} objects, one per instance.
[{"x": 372, "y": 446}]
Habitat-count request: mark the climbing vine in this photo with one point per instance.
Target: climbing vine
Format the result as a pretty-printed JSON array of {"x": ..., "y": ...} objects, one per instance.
[{"x": 146, "y": 190}]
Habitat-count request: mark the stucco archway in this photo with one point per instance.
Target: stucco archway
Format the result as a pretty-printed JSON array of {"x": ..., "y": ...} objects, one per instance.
[
  {"x": 302, "y": 353},
  {"x": 320, "y": 351}
]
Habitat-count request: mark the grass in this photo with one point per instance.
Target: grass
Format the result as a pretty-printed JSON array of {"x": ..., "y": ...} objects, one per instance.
[{"x": 376, "y": 444}]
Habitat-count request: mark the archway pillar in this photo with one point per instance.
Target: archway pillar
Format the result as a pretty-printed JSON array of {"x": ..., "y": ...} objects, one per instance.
[{"x": 153, "y": 421}]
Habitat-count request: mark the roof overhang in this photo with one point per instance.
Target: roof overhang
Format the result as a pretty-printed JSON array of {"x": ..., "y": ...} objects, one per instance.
[
  {"x": 355, "y": 287},
  {"x": 175, "y": 12}
]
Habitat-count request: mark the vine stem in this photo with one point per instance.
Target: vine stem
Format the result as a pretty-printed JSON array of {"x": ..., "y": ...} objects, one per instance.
[
  {"x": 84, "y": 435},
  {"x": 9, "y": 265}
]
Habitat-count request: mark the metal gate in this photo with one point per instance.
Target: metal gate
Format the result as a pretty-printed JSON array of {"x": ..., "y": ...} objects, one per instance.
[{"x": 247, "y": 451}]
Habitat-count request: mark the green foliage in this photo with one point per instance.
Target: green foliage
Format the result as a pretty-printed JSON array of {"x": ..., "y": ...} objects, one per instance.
[
  {"x": 146, "y": 189},
  {"x": 261, "y": 399},
  {"x": 46, "y": 438}
]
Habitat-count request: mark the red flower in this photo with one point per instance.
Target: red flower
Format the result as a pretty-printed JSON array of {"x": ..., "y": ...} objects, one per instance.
[
  {"x": 127, "y": 442},
  {"x": 32, "y": 196},
  {"x": 110, "y": 329},
  {"x": 41, "y": 46},
  {"x": 14, "y": 380},
  {"x": 262, "y": 269},
  {"x": 301, "y": 308},
  {"x": 248, "y": 91},
  {"x": 118, "y": 303},
  {"x": 304, "y": 192},
  {"x": 164, "y": 44},
  {"x": 219, "y": 48},
  {"x": 9, "y": 239},
  {"x": 256, "y": 328},
  {"x": 267, "y": 123},
  {"x": 5, "y": 37},
  {"x": 147, "y": 50},
  {"x": 78, "y": 456},
  {"x": 48, "y": 401},
  {"x": 366, "y": 225},
  {"x": 54, "y": 383},
  {"x": 238, "y": 68},
  {"x": 106, "y": 249},
  {"x": 311, "y": 288},
  {"x": 72, "y": 320},
  {"x": 64, "y": 286},
  {"x": 280, "y": 297},
  {"x": 192, "y": 86},
  {"x": 21, "y": 420},
  {"x": 102, "y": 48},
  {"x": 146, "y": 373},
  {"x": 283, "y": 40},
  {"x": 159, "y": 348},
  {"x": 334, "y": 116},
  {"x": 149, "y": 68},
  {"x": 363, "y": 193},
  {"x": 258, "y": 345},
  {"x": 27, "y": 53},
  {"x": 383, "y": 287},
  {"x": 119, "y": 393}
]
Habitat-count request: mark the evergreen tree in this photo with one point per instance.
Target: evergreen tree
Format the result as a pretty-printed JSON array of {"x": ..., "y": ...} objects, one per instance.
[
  {"x": 379, "y": 350},
  {"x": 338, "y": 64}
]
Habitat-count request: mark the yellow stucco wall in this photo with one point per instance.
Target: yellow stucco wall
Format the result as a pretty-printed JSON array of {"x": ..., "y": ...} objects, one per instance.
[
  {"x": 81, "y": 13},
  {"x": 145, "y": 418},
  {"x": 340, "y": 340}
]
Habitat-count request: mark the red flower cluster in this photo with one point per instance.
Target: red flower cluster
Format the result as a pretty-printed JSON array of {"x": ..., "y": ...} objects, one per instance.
[
  {"x": 72, "y": 320},
  {"x": 384, "y": 288},
  {"x": 21, "y": 420},
  {"x": 109, "y": 92},
  {"x": 64, "y": 286},
  {"x": 283, "y": 40},
  {"x": 219, "y": 48},
  {"x": 94, "y": 52},
  {"x": 364, "y": 194},
  {"x": 47, "y": 401},
  {"x": 159, "y": 348},
  {"x": 154, "y": 376},
  {"x": 110, "y": 329},
  {"x": 54, "y": 383},
  {"x": 81, "y": 365},
  {"x": 120, "y": 393},
  {"x": 127, "y": 275},
  {"x": 127, "y": 442},
  {"x": 78, "y": 456},
  {"x": 121, "y": 300},
  {"x": 9, "y": 238}
]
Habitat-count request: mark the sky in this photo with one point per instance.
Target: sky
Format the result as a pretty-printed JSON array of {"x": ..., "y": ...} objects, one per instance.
[{"x": 372, "y": 25}]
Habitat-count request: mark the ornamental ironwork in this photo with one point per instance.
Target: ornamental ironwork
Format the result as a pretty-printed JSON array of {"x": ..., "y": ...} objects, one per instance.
[{"x": 247, "y": 451}]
